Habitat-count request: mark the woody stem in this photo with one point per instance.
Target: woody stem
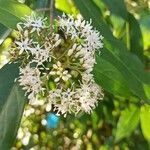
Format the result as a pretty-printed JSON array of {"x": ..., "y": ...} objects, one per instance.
[{"x": 52, "y": 2}]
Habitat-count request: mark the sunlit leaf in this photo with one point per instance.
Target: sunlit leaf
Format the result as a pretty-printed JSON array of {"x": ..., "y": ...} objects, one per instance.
[
  {"x": 66, "y": 6},
  {"x": 145, "y": 121},
  {"x": 11, "y": 12},
  {"x": 127, "y": 123}
]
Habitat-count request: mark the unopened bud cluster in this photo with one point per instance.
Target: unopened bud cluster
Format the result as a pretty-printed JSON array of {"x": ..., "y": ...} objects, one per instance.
[{"x": 56, "y": 66}]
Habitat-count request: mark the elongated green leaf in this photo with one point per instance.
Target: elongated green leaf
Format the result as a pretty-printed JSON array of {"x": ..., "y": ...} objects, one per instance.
[
  {"x": 132, "y": 70},
  {"x": 117, "y": 7},
  {"x": 145, "y": 121},
  {"x": 135, "y": 35},
  {"x": 12, "y": 101},
  {"x": 127, "y": 123},
  {"x": 41, "y": 4},
  {"x": 10, "y": 117},
  {"x": 65, "y": 6},
  {"x": 110, "y": 78},
  {"x": 11, "y": 12},
  {"x": 4, "y": 32},
  {"x": 117, "y": 54},
  {"x": 136, "y": 40},
  {"x": 7, "y": 76}
]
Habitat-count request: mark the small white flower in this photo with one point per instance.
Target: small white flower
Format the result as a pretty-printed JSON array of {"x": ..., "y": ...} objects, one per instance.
[
  {"x": 66, "y": 103},
  {"x": 87, "y": 77},
  {"x": 40, "y": 54},
  {"x": 67, "y": 24},
  {"x": 54, "y": 94},
  {"x": 87, "y": 95},
  {"x": 37, "y": 23},
  {"x": 93, "y": 41},
  {"x": 23, "y": 45},
  {"x": 30, "y": 80}
]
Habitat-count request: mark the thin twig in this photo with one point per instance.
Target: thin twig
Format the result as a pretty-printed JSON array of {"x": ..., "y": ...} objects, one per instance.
[
  {"x": 43, "y": 9},
  {"x": 51, "y": 14}
]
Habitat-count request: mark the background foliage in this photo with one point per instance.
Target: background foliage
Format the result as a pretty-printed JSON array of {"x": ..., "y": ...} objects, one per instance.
[{"x": 122, "y": 119}]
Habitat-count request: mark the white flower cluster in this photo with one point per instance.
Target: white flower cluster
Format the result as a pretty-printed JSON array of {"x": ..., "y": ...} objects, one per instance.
[{"x": 56, "y": 66}]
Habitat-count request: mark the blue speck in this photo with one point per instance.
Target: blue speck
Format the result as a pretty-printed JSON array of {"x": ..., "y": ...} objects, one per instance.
[{"x": 52, "y": 121}]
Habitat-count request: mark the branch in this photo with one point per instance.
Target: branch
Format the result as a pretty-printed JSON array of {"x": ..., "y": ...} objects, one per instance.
[
  {"x": 43, "y": 9},
  {"x": 52, "y": 2}
]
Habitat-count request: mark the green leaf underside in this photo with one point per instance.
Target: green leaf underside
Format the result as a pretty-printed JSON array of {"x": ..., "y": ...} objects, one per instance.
[
  {"x": 11, "y": 12},
  {"x": 127, "y": 123},
  {"x": 12, "y": 101},
  {"x": 116, "y": 52},
  {"x": 7, "y": 76},
  {"x": 10, "y": 117}
]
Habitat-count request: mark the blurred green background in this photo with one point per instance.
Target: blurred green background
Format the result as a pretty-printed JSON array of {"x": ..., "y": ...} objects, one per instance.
[{"x": 122, "y": 120}]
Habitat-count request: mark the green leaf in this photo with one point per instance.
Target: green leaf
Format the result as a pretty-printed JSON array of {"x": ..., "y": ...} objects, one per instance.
[
  {"x": 65, "y": 6},
  {"x": 127, "y": 123},
  {"x": 41, "y": 4},
  {"x": 7, "y": 76},
  {"x": 10, "y": 117},
  {"x": 12, "y": 101},
  {"x": 11, "y": 12},
  {"x": 145, "y": 121},
  {"x": 110, "y": 78},
  {"x": 136, "y": 40},
  {"x": 132, "y": 70},
  {"x": 135, "y": 35},
  {"x": 4, "y": 32},
  {"x": 117, "y": 7},
  {"x": 116, "y": 53}
]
